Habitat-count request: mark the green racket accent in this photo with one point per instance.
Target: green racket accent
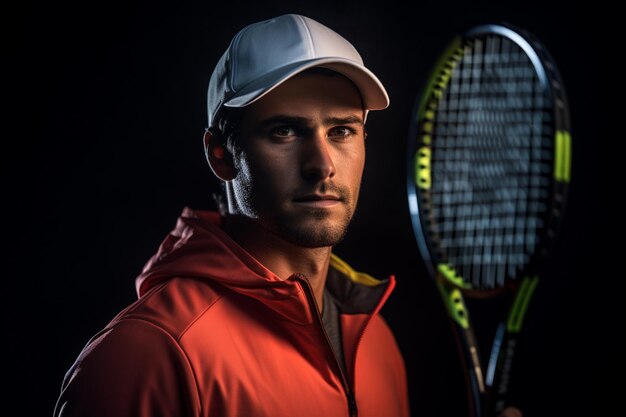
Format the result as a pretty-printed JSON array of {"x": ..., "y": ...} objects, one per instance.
[
  {"x": 439, "y": 81},
  {"x": 422, "y": 168},
  {"x": 453, "y": 300},
  {"x": 448, "y": 272},
  {"x": 455, "y": 49},
  {"x": 520, "y": 304},
  {"x": 563, "y": 152}
]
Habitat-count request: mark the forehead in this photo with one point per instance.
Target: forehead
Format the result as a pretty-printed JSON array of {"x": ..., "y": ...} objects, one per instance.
[{"x": 311, "y": 95}]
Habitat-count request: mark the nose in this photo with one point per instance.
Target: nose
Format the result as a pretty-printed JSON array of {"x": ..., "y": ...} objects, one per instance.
[{"x": 317, "y": 160}]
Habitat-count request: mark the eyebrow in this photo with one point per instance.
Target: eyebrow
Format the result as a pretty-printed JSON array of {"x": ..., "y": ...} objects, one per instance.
[{"x": 303, "y": 121}]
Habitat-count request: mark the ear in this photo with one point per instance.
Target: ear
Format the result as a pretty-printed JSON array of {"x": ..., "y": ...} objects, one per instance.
[{"x": 218, "y": 157}]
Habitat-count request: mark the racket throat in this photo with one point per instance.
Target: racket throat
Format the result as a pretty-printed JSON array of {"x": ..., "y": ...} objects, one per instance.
[
  {"x": 474, "y": 374},
  {"x": 480, "y": 381},
  {"x": 458, "y": 312}
]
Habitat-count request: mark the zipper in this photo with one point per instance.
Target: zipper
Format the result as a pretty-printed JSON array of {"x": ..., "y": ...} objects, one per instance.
[
  {"x": 352, "y": 408},
  {"x": 361, "y": 333}
]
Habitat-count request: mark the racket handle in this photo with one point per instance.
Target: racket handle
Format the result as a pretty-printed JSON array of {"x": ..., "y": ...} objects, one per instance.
[
  {"x": 499, "y": 372},
  {"x": 504, "y": 346}
]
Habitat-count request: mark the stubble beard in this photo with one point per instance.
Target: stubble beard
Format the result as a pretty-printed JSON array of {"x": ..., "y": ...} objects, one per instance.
[
  {"x": 315, "y": 234},
  {"x": 311, "y": 227}
]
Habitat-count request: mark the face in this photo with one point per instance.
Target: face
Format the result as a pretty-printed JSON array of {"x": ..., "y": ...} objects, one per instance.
[{"x": 301, "y": 161}]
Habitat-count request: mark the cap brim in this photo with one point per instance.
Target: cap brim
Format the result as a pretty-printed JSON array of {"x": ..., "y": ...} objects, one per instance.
[{"x": 372, "y": 91}]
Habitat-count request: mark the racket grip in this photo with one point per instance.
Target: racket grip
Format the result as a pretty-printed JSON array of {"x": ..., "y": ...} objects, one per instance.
[
  {"x": 499, "y": 374},
  {"x": 504, "y": 346}
]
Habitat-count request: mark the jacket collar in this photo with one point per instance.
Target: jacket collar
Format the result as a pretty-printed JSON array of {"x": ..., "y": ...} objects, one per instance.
[{"x": 197, "y": 247}]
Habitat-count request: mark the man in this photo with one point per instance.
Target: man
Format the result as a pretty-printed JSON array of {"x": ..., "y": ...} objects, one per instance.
[{"x": 247, "y": 312}]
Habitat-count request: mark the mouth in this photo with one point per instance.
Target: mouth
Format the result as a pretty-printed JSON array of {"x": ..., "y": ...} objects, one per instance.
[{"x": 318, "y": 200}]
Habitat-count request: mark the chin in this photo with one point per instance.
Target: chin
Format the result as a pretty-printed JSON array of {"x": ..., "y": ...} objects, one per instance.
[
  {"x": 317, "y": 238},
  {"x": 318, "y": 230}
]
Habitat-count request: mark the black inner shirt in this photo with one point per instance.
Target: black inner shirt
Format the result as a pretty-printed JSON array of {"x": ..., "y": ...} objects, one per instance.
[{"x": 330, "y": 319}]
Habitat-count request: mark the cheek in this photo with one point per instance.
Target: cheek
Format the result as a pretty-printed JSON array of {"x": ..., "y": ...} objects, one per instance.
[
  {"x": 259, "y": 178},
  {"x": 355, "y": 174},
  {"x": 356, "y": 165},
  {"x": 269, "y": 170}
]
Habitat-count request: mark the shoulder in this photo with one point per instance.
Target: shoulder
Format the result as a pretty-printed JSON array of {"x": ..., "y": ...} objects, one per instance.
[
  {"x": 380, "y": 341},
  {"x": 136, "y": 365},
  {"x": 173, "y": 306},
  {"x": 382, "y": 334},
  {"x": 132, "y": 368}
]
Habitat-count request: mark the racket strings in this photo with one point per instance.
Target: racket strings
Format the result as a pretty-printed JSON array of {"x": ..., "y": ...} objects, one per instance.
[{"x": 491, "y": 162}]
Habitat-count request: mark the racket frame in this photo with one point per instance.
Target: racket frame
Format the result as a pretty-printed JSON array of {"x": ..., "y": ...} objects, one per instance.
[{"x": 487, "y": 392}]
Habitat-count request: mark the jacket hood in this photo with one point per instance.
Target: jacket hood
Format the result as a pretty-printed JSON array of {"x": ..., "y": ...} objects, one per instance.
[{"x": 198, "y": 248}]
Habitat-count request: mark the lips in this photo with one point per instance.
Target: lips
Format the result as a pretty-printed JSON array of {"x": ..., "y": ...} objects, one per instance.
[
  {"x": 317, "y": 197},
  {"x": 318, "y": 200}
]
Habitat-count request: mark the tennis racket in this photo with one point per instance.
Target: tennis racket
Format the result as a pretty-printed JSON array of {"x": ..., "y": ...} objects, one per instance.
[{"x": 489, "y": 161}]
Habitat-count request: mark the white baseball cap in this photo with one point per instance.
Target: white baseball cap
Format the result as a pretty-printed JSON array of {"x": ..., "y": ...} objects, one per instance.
[{"x": 265, "y": 54}]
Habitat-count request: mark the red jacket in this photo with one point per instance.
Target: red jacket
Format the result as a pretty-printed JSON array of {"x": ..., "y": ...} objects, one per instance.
[{"x": 215, "y": 333}]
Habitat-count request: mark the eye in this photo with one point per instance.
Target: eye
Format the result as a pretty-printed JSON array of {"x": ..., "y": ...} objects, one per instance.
[
  {"x": 342, "y": 132},
  {"x": 283, "y": 132}
]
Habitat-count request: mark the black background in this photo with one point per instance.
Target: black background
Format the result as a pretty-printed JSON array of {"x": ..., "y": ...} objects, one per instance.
[{"x": 102, "y": 150}]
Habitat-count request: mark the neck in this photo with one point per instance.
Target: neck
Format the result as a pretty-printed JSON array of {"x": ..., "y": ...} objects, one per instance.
[{"x": 281, "y": 257}]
